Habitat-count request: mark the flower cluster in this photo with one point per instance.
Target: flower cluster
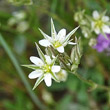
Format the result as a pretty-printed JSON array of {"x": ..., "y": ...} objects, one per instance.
[
  {"x": 18, "y": 20},
  {"x": 91, "y": 26},
  {"x": 58, "y": 41},
  {"x": 55, "y": 64},
  {"x": 100, "y": 23}
]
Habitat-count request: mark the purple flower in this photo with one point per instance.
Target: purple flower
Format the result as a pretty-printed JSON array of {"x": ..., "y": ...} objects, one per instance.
[{"x": 102, "y": 43}]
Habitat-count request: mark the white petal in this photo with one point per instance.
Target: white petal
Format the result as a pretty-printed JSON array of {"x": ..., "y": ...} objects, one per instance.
[
  {"x": 105, "y": 18},
  {"x": 97, "y": 31},
  {"x": 37, "y": 61},
  {"x": 93, "y": 24},
  {"x": 48, "y": 80},
  {"x": 60, "y": 49},
  {"x": 61, "y": 34},
  {"x": 35, "y": 74},
  {"x": 48, "y": 59},
  {"x": 96, "y": 15},
  {"x": 106, "y": 29},
  {"x": 44, "y": 43},
  {"x": 72, "y": 43},
  {"x": 53, "y": 56},
  {"x": 55, "y": 68}
]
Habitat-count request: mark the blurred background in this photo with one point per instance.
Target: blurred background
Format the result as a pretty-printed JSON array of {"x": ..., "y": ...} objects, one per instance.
[{"x": 19, "y": 22}]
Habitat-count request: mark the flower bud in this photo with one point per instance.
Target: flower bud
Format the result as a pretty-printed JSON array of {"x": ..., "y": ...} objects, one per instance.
[{"x": 92, "y": 42}]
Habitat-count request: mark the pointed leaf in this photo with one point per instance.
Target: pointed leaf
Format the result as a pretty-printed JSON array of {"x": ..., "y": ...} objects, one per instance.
[
  {"x": 70, "y": 34},
  {"x": 39, "y": 80},
  {"x": 53, "y": 31},
  {"x": 40, "y": 53},
  {"x": 32, "y": 66}
]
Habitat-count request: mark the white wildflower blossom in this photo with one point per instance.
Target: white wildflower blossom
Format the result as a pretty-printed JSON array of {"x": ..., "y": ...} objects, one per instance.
[
  {"x": 44, "y": 69},
  {"x": 19, "y": 15},
  {"x": 100, "y": 23},
  {"x": 58, "y": 41},
  {"x": 22, "y": 26},
  {"x": 62, "y": 75}
]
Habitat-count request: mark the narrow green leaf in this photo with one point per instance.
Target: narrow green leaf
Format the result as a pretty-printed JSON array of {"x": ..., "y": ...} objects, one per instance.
[
  {"x": 21, "y": 74},
  {"x": 39, "y": 80},
  {"x": 40, "y": 53},
  {"x": 70, "y": 34},
  {"x": 53, "y": 31},
  {"x": 31, "y": 66}
]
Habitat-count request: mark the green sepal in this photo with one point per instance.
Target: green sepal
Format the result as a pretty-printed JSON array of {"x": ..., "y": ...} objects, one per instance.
[
  {"x": 53, "y": 31},
  {"x": 70, "y": 34},
  {"x": 42, "y": 56},
  {"x": 103, "y": 13},
  {"x": 48, "y": 51},
  {"x": 75, "y": 55},
  {"x": 53, "y": 61},
  {"x": 39, "y": 80},
  {"x": 54, "y": 77},
  {"x": 34, "y": 67},
  {"x": 45, "y": 35},
  {"x": 104, "y": 35}
]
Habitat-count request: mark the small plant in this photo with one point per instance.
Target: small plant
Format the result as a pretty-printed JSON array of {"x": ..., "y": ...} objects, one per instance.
[{"x": 56, "y": 63}]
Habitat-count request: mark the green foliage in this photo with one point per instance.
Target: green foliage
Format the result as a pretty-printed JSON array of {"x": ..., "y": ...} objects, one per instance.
[
  {"x": 64, "y": 103},
  {"x": 74, "y": 94},
  {"x": 20, "y": 102}
]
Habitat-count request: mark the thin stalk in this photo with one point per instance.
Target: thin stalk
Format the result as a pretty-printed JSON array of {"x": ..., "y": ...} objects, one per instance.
[
  {"x": 91, "y": 83},
  {"x": 61, "y": 59},
  {"x": 109, "y": 98},
  {"x": 21, "y": 74}
]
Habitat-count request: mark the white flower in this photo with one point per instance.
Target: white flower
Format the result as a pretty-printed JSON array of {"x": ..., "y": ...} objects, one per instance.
[
  {"x": 19, "y": 15},
  {"x": 22, "y": 26},
  {"x": 58, "y": 41},
  {"x": 44, "y": 69},
  {"x": 100, "y": 23},
  {"x": 62, "y": 75}
]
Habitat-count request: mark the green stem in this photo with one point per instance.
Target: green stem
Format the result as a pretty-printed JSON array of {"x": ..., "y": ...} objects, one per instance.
[
  {"x": 21, "y": 74},
  {"x": 91, "y": 83},
  {"x": 109, "y": 98},
  {"x": 61, "y": 59}
]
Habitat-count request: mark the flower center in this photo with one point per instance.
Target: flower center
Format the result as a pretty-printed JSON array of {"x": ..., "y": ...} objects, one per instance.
[
  {"x": 47, "y": 68},
  {"x": 99, "y": 24},
  {"x": 57, "y": 44}
]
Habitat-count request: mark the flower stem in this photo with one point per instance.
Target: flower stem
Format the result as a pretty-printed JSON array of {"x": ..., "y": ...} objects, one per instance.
[
  {"x": 21, "y": 74},
  {"x": 91, "y": 83},
  {"x": 60, "y": 58}
]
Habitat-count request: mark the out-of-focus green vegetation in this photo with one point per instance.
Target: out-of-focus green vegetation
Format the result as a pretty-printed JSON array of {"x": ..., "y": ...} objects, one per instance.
[{"x": 19, "y": 24}]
